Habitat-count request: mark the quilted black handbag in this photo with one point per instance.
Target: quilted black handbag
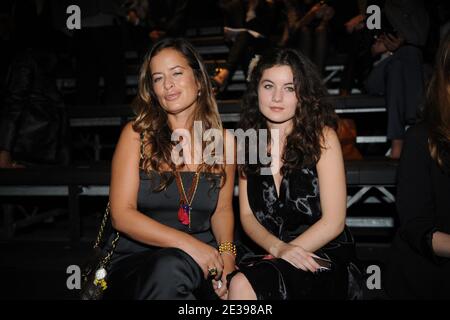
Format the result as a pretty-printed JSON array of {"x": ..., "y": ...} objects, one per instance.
[{"x": 94, "y": 275}]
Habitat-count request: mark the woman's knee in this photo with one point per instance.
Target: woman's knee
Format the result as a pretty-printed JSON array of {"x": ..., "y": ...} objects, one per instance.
[
  {"x": 406, "y": 58},
  {"x": 240, "y": 285},
  {"x": 320, "y": 30},
  {"x": 409, "y": 53},
  {"x": 168, "y": 262},
  {"x": 169, "y": 275},
  {"x": 395, "y": 66}
]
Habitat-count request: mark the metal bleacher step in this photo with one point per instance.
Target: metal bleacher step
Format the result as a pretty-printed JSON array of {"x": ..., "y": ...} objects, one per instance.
[
  {"x": 92, "y": 115},
  {"x": 370, "y": 222},
  {"x": 208, "y": 31},
  {"x": 93, "y": 180},
  {"x": 207, "y": 41},
  {"x": 213, "y": 49}
]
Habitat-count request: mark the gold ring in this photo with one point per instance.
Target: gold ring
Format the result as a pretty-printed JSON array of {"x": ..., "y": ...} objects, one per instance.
[{"x": 212, "y": 271}]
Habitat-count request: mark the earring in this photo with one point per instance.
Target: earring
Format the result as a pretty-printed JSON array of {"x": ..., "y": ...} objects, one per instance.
[{"x": 199, "y": 93}]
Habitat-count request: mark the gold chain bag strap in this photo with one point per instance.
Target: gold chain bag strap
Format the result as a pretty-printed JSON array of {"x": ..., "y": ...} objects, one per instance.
[{"x": 94, "y": 276}]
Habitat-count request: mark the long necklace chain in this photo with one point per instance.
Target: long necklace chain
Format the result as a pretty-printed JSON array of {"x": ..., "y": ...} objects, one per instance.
[
  {"x": 185, "y": 200},
  {"x": 194, "y": 184}
]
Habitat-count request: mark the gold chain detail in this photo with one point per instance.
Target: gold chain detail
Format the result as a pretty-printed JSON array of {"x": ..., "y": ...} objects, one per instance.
[
  {"x": 196, "y": 178},
  {"x": 106, "y": 259},
  {"x": 228, "y": 247},
  {"x": 189, "y": 201},
  {"x": 110, "y": 253},
  {"x": 102, "y": 226}
]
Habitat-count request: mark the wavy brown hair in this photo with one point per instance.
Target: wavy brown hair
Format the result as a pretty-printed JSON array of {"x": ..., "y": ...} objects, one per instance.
[
  {"x": 152, "y": 122},
  {"x": 437, "y": 110},
  {"x": 304, "y": 144}
]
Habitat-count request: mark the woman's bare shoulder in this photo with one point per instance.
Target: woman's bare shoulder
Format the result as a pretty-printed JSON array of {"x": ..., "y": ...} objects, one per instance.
[
  {"x": 329, "y": 137},
  {"x": 129, "y": 142},
  {"x": 129, "y": 132}
]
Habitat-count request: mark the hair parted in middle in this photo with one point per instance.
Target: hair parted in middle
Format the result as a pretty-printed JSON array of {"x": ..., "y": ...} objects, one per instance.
[
  {"x": 305, "y": 142},
  {"x": 152, "y": 122}
]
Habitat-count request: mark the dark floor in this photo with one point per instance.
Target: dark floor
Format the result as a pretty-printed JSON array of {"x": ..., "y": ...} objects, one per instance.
[
  {"x": 34, "y": 263},
  {"x": 38, "y": 270}
]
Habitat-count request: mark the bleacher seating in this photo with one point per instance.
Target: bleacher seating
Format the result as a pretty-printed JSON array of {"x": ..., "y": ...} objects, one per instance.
[
  {"x": 82, "y": 116},
  {"x": 366, "y": 180},
  {"x": 93, "y": 180}
]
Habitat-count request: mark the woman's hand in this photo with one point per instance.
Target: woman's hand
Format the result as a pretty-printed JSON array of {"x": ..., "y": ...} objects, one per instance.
[
  {"x": 133, "y": 18},
  {"x": 206, "y": 256},
  {"x": 155, "y": 35},
  {"x": 315, "y": 9},
  {"x": 355, "y": 23},
  {"x": 297, "y": 256},
  {"x": 391, "y": 42},
  {"x": 326, "y": 12},
  {"x": 6, "y": 162},
  {"x": 220, "y": 286},
  {"x": 378, "y": 47}
]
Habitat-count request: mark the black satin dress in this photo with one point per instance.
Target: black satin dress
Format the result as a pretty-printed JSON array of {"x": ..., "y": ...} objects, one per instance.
[
  {"x": 286, "y": 216},
  {"x": 139, "y": 271}
]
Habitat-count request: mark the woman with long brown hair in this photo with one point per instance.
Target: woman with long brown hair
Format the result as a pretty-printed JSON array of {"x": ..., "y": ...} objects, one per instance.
[
  {"x": 293, "y": 208},
  {"x": 175, "y": 218},
  {"x": 419, "y": 265}
]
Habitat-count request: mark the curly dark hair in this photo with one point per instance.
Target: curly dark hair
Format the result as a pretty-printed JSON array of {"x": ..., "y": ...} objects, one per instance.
[
  {"x": 312, "y": 114},
  {"x": 437, "y": 109}
]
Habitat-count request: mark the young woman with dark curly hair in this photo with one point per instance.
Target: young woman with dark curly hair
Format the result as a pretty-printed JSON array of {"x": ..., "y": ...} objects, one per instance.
[{"x": 296, "y": 213}]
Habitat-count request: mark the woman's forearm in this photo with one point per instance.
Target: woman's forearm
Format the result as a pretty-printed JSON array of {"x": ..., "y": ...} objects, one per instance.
[
  {"x": 222, "y": 224},
  {"x": 260, "y": 235},
  {"x": 144, "y": 229},
  {"x": 5, "y": 157},
  {"x": 318, "y": 235},
  {"x": 441, "y": 244}
]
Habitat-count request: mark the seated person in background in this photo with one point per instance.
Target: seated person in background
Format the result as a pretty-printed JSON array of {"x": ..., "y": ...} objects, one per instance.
[
  {"x": 398, "y": 72},
  {"x": 99, "y": 52},
  {"x": 247, "y": 28},
  {"x": 307, "y": 28},
  {"x": 419, "y": 264},
  {"x": 33, "y": 119},
  {"x": 295, "y": 207},
  {"x": 346, "y": 37},
  {"x": 154, "y": 20}
]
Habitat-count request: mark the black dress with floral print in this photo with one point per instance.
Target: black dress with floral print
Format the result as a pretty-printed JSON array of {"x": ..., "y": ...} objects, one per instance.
[{"x": 287, "y": 215}]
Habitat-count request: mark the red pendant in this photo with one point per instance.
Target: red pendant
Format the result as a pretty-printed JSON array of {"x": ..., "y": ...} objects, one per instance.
[{"x": 183, "y": 214}]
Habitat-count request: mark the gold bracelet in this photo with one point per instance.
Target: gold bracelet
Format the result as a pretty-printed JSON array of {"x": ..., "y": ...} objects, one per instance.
[{"x": 227, "y": 247}]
